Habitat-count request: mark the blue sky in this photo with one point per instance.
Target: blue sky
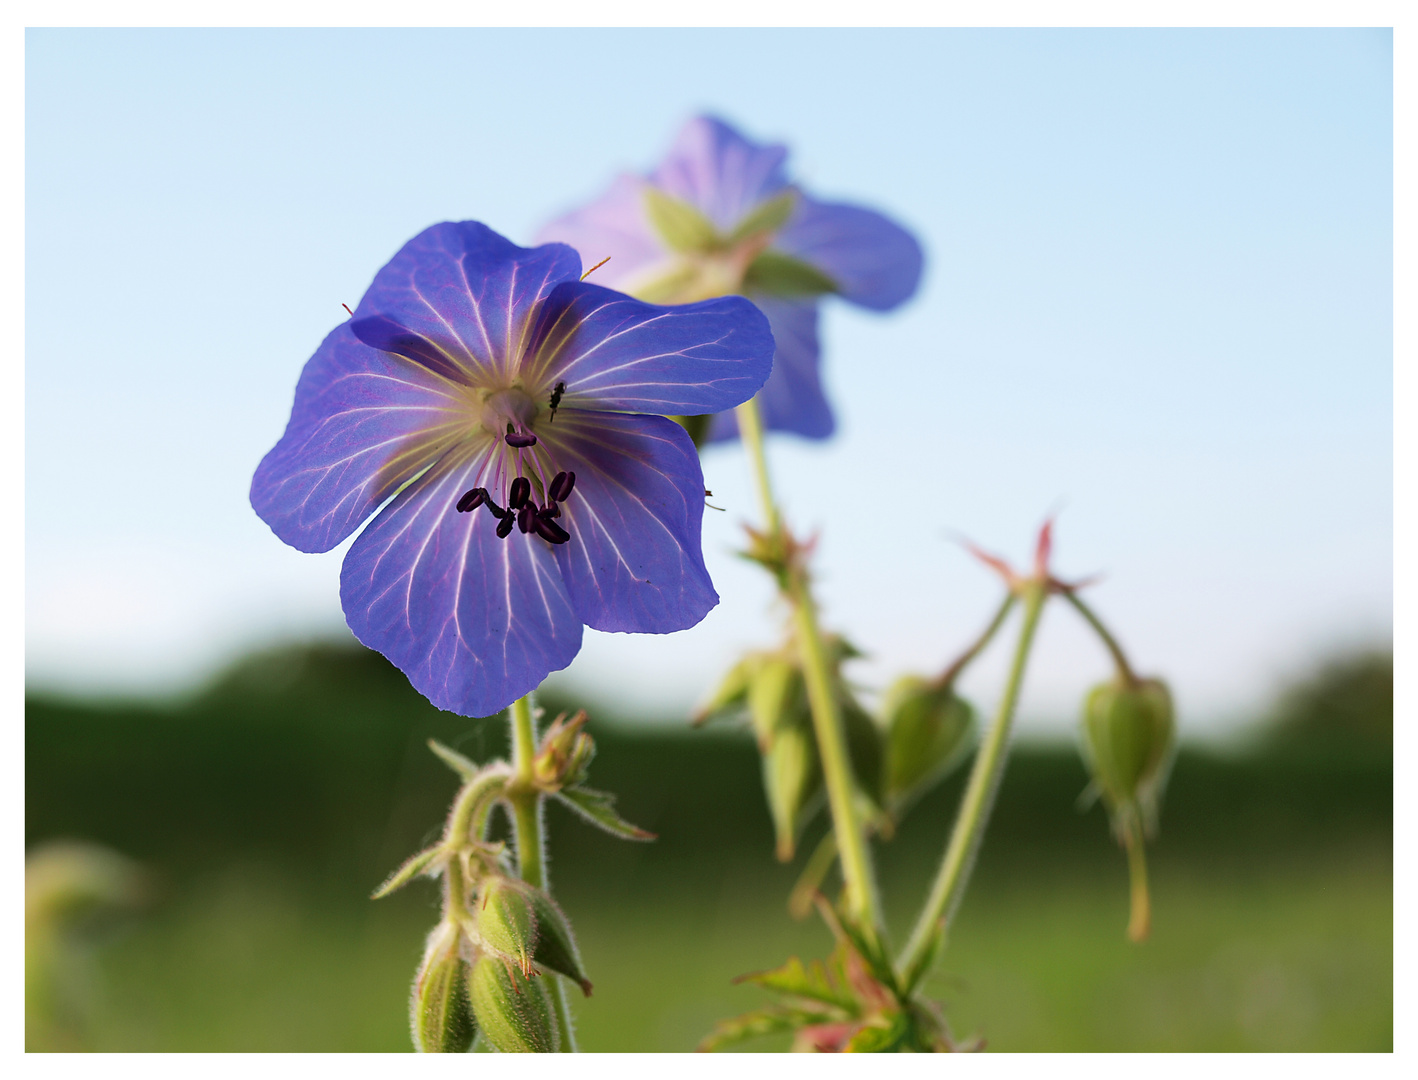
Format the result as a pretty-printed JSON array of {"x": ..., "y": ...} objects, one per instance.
[{"x": 1158, "y": 295}]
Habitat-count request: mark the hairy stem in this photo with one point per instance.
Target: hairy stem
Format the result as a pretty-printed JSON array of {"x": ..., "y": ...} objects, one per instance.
[
  {"x": 1121, "y": 660},
  {"x": 526, "y": 803},
  {"x": 822, "y": 699},
  {"x": 978, "y": 800}
]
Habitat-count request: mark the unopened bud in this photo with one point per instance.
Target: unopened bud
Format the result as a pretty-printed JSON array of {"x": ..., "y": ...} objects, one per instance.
[
  {"x": 506, "y": 922},
  {"x": 927, "y": 732},
  {"x": 792, "y": 776},
  {"x": 565, "y": 754},
  {"x": 513, "y": 1012},
  {"x": 439, "y": 1010},
  {"x": 1128, "y": 729}
]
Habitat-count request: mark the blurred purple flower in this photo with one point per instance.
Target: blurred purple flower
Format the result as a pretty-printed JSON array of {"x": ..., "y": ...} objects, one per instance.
[
  {"x": 719, "y": 217},
  {"x": 501, "y": 405}
]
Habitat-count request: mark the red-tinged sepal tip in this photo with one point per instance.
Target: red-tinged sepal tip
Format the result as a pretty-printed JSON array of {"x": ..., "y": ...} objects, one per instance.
[
  {"x": 999, "y": 566},
  {"x": 1043, "y": 548}
]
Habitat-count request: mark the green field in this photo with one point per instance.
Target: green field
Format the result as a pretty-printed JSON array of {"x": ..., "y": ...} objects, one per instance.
[{"x": 266, "y": 810}]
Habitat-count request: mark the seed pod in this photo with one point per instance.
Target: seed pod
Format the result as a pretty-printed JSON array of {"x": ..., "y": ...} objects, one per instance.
[
  {"x": 776, "y": 697},
  {"x": 556, "y": 945},
  {"x": 506, "y": 922},
  {"x": 792, "y": 777},
  {"x": 440, "y": 1014},
  {"x": 513, "y": 1012},
  {"x": 927, "y": 733},
  {"x": 1128, "y": 731}
]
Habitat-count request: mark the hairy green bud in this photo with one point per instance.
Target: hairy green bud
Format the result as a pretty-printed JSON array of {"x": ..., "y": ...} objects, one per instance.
[
  {"x": 506, "y": 922},
  {"x": 439, "y": 1012},
  {"x": 928, "y": 730},
  {"x": 512, "y": 1011}
]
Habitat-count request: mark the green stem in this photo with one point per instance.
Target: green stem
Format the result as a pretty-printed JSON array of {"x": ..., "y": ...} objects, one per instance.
[
  {"x": 978, "y": 800},
  {"x": 1140, "y": 919},
  {"x": 526, "y": 803},
  {"x": 822, "y": 700},
  {"x": 836, "y": 766},
  {"x": 1124, "y": 668},
  {"x": 751, "y": 431},
  {"x": 948, "y": 675}
]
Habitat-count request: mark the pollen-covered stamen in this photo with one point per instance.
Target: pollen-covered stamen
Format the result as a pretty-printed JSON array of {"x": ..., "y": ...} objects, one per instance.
[
  {"x": 521, "y": 492},
  {"x": 550, "y": 510},
  {"x": 561, "y": 486},
  {"x": 472, "y": 500},
  {"x": 549, "y": 530},
  {"x": 504, "y": 527},
  {"x": 526, "y": 516},
  {"x": 519, "y": 439}
]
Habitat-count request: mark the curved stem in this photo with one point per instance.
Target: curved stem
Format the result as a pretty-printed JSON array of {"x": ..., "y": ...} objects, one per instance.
[
  {"x": 822, "y": 699},
  {"x": 978, "y": 800},
  {"x": 1140, "y": 919},
  {"x": 1124, "y": 668},
  {"x": 526, "y": 803},
  {"x": 949, "y": 674}
]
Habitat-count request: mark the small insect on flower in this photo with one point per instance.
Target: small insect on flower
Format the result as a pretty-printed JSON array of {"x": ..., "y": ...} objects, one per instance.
[
  {"x": 503, "y": 534},
  {"x": 719, "y": 217}
]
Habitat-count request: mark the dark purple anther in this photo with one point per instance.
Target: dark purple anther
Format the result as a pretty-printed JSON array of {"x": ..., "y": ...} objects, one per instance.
[
  {"x": 472, "y": 500},
  {"x": 526, "y": 516},
  {"x": 550, "y": 531},
  {"x": 520, "y": 440},
  {"x": 521, "y": 491},
  {"x": 550, "y": 510},
  {"x": 561, "y": 486},
  {"x": 504, "y": 527}
]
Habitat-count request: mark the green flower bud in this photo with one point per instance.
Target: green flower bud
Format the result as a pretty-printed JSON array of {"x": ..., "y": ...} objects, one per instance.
[
  {"x": 556, "y": 945},
  {"x": 565, "y": 754},
  {"x": 506, "y": 921},
  {"x": 927, "y": 733},
  {"x": 792, "y": 776},
  {"x": 439, "y": 1012},
  {"x": 1128, "y": 732},
  {"x": 513, "y": 1012}
]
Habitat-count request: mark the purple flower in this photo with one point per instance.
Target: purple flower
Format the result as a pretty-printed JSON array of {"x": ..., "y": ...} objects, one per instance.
[
  {"x": 719, "y": 217},
  {"x": 499, "y": 406}
]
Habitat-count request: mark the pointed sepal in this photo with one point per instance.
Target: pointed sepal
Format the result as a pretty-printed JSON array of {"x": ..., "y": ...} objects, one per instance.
[
  {"x": 598, "y": 807},
  {"x": 464, "y": 767},
  {"x": 425, "y": 861}
]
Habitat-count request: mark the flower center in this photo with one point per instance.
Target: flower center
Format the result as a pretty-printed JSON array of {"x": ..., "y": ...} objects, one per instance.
[{"x": 516, "y": 471}]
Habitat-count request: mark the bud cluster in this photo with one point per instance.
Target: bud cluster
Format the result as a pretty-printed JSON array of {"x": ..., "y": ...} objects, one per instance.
[{"x": 482, "y": 963}]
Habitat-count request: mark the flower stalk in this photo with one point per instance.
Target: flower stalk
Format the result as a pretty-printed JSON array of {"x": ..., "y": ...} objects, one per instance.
[
  {"x": 978, "y": 800},
  {"x": 857, "y": 874},
  {"x": 1119, "y": 658},
  {"x": 526, "y": 802}
]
